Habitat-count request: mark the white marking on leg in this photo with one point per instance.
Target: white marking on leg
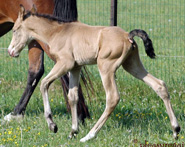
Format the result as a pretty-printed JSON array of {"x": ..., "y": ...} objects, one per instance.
[
  {"x": 8, "y": 117},
  {"x": 11, "y": 117},
  {"x": 74, "y": 127},
  {"x": 131, "y": 41},
  {"x": 34, "y": 82}
]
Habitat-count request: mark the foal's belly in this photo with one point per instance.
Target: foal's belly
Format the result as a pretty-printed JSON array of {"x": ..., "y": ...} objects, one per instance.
[{"x": 85, "y": 56}]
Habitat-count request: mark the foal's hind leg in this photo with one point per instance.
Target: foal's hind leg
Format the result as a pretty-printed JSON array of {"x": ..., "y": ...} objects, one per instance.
[
  {"x": 73, "y": 98},
  {"x": 134, "y": 66},
  {"x": 58, "y": 70},
  {"x": 112, "y": 98}
]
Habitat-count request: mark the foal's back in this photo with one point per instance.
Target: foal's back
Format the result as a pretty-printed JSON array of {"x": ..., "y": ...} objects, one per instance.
[{"x": 85, "y": 41}]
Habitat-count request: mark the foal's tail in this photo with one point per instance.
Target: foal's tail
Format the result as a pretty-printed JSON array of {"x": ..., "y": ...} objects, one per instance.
[{"x": 146, "y": 40}]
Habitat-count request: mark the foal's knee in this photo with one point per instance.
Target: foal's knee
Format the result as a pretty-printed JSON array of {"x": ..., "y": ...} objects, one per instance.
[
  {"x": 43, "y": 85},
  {"x": 114, "y": 100},
  {"x": 162, "y": 90},
  {"x": 73, "y": 96}
]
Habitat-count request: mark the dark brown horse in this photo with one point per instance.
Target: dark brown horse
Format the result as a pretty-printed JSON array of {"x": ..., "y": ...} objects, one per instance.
[{"x": 66, "y": 10}]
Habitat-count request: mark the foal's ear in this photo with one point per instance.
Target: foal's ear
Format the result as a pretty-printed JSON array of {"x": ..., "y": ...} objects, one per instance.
[
  {"x": 33, "y": 9},
  {"x": 21, "y": 11}
]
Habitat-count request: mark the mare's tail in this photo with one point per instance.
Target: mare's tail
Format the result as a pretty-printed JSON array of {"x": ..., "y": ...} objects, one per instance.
[{"x": 146, "y": 40}]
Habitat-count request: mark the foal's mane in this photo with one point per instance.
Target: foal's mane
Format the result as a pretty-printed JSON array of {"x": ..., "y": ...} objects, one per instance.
[{"x": 49, "y": 17}]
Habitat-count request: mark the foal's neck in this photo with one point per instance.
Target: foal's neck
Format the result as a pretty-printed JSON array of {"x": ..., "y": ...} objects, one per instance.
[{"x": 41, "y": 28}]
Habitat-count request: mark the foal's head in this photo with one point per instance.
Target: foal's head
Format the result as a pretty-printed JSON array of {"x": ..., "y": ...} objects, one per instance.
[{"x": 20, "y": 35}]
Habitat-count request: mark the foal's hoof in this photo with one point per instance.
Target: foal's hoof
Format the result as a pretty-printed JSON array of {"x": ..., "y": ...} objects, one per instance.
[
  {"x": 176, "y": 132},
  {"x": 73, "y": 134},
  {"x": 53, "y": 127},
  {"x": 88, "y": 137}
]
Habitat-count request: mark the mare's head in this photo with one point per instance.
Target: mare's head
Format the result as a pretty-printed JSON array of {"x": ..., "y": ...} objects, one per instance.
[{"x": 20, "y": 35}]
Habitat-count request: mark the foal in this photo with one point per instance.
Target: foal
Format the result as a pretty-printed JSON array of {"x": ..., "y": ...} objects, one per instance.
[{"x": 75, "y": 44}]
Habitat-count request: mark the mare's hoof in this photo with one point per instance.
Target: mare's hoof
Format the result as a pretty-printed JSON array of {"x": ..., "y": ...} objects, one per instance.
[
  {"x": 11, "y": 117},
  {"x": 53, "y": 127}
]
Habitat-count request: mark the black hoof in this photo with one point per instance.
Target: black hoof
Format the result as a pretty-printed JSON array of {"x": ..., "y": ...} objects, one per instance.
[
  {"x": 53, "y": 127},
  {"x": 73, "y": 134},
  {"x": 176, "y": 132},
  {"x": 177, "y": 129}
]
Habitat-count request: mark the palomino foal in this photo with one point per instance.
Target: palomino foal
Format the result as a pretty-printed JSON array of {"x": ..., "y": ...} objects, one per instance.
[{"x": 75, "y": 44}]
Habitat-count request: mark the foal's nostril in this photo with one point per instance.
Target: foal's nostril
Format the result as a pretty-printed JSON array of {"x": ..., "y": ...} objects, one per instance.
[{"x": 12, "y": 54}]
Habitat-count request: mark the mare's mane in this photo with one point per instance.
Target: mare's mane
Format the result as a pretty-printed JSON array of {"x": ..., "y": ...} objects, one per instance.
[{"x": 64, "y": 11}]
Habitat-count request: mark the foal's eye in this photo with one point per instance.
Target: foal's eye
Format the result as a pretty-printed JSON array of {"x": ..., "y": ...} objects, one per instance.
[{"x": 14, "y": 30}]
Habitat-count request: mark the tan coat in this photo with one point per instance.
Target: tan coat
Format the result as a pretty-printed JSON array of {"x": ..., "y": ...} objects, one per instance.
[{"x": 75, "y": 44}]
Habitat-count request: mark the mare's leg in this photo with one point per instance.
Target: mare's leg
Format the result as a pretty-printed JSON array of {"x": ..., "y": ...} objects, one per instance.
[
  {"x": 112, "y": 97},
  {"x": 35, "y": 72},
  {"x": 134, "y": 66},
  {"x": 59, "y": 69},
  {"x": 73, "y": 98}
]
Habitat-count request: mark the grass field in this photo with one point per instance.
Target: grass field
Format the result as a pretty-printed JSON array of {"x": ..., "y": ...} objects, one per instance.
[{"x": 140, "y": 118}]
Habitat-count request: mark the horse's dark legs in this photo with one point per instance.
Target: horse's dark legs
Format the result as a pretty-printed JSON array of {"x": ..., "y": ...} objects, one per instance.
[{"x": 35, "y": 72}]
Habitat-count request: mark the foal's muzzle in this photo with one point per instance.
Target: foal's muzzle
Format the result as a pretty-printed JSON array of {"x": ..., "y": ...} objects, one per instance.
[{"x": 12, "y": 53}]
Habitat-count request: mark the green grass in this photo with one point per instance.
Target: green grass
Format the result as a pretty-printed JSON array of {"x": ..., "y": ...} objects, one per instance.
[{"x": 140, "y": 115}]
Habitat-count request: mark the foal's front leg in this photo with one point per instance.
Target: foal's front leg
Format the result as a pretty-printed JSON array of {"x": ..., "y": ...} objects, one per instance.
[
  {"x": 73, "y": 99},
  {"x": 58, "y": 70}
]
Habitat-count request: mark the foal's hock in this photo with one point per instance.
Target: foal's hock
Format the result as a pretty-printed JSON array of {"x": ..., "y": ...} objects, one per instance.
[{"x": 75, "y": 44}]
